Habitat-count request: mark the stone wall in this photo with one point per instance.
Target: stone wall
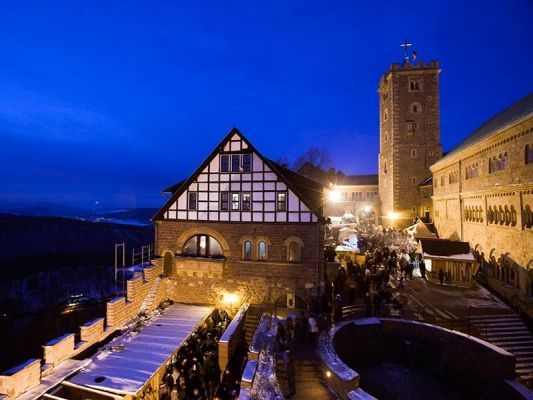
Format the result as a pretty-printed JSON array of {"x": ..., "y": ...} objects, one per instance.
[
  {"x": 492, "y": 209},
  {"x": 19, "y": 379},
  {"x": 202, "y": 280},
  {"x": 119, "y": 311}
]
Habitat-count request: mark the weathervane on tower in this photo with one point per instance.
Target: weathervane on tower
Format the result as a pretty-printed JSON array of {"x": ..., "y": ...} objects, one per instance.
[{"x": 406, "y": 57}]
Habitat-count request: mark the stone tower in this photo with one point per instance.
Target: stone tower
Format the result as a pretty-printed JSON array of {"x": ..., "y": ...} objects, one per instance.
[{"x": 409, "y": 126}]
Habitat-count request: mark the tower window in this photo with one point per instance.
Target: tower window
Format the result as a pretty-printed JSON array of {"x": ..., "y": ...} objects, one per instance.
[
  {"x": 413, "y": 153},
  {"x": 416, "y": 108},
  {"x": 413, "y": 180},
  {"x": 386, "y": 115},
  {"x": 386, "y": 136},
  {"x": 416, "y": 84},
  {"x": 529, "y": 154}
]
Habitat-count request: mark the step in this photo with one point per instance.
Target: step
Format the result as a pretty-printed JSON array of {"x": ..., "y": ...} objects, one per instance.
[
  {"x": 508, "y": 338},
  {"x": 506, "y": 333},
  {"x": 524, "y": 371}
]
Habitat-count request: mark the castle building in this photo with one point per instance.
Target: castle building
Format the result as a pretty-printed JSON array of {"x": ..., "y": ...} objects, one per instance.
[
  {"x": 355, "y": 195},
  {"x": 483, "y": 194},
  {"x": 409, "y": 138},
  {"x": 244, "y": 225}
]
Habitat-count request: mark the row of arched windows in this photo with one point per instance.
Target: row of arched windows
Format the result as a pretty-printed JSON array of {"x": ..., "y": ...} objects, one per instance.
[
  {"x": 503, "y": 215},
  {"x": 472, "y": 171},
  {"x": 207, "y": 246},
  {"x": 473, "y": 214},
  {"x": 259, "y": 250},
  {"x": 498, "y": 164}
]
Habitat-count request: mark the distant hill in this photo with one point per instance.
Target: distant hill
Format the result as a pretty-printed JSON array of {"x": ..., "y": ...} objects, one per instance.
[
  {"x": 29, "y": 244},
  {"x": 129, "y": 216}
]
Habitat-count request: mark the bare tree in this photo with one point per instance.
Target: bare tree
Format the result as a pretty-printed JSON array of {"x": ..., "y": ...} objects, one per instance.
[
  {"x": 283, "y": 161},
  {"x": 319, "y": 157}
]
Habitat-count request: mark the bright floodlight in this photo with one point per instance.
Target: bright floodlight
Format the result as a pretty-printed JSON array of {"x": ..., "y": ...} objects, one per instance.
[
  {"x": 367, "y": 209},
  {"x": 393, "y": 215},
  {"x": 334, "y": 195},
  {"x": 231, "y": 298}
]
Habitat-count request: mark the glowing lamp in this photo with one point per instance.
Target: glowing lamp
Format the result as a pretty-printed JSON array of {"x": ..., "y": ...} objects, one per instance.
[
  {"x": 328, "y": 374},
  {"x": 230, "y": 298},
  {"x": 393, "y": 215},
  {"x": 334, "y": 195}
]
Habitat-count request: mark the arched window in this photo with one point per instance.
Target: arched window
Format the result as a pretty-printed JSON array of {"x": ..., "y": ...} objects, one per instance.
[
  {"x": 416, "y": 108},
  {"x": 386, "y": 115},
  {"x": 202, "y": 246},
  {"x": 262, "y": 251},
  {"x": 507, "y": 215},
  {"x": 501, "y": 215},
  {"x": 247, "y": 250},
  {"x": 294, "y": 252},
  {"x": 529, "y": 154},
  {"x": 513, "y": 216}
]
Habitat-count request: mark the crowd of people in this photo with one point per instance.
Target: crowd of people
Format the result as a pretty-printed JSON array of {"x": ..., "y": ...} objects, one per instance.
[
  {"x": 371, "y": 284},
  {"x": 195, "y": 373}
]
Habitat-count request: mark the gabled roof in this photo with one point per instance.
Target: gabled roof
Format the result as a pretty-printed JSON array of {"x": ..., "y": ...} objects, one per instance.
[
  {"x": 427, "y": 182},
  {"x": 174, "y": 188},
  {"x": 355, "y": 180},
  {"x": 444, "y": 247},
  {"x": 511, "y": 114},
  {"x": 301, "y": 186},
  {"x": 304, "y": 187}
]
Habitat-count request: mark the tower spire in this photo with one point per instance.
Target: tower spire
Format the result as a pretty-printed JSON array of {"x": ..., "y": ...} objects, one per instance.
[{"x": 405, "y": 46}]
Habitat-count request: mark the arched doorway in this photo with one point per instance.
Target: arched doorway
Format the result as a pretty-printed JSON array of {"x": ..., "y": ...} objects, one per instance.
[{"x": 168, "y": 262}]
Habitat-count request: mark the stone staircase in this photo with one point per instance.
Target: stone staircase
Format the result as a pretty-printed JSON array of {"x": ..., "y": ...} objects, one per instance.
[
  {"x": 148, "y": 304},
  {"x": 509, "y": 332},
  {"x": 253, "y": 315},
  {"x": 309, "y": 382}
]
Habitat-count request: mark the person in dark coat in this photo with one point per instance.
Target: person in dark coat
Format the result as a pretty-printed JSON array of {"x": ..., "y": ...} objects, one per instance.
[{"x": 441, "y": 276}]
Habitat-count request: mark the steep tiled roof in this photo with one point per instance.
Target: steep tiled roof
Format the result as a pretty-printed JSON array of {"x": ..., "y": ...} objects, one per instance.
[
  {"x": 306, "y": 188},
  {"x": 444, "y": 247},
  {"x": 516, "y": 111},
  {"x": 355, "y": 180}
]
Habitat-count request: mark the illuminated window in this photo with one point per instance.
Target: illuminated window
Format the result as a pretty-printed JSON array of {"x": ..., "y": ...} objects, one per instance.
[
  {"x": 235, "y": 201},
  {"x": 281, "y": 202},
  {"x": 294, "y": 252},
  {"x": 202, "y": 246},
  {"x": 193, "y": 200},
  {"x": 262, "y": 251},
  {"x": 246, "y": 202},
  {"x": 247, "y": 250}
]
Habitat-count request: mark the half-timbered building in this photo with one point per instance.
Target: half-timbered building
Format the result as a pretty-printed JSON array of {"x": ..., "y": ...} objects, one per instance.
[{"x": 242, "y": 223}]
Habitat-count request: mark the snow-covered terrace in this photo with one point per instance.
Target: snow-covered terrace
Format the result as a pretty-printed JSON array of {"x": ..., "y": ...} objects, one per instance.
[{"x": 127, "y": 371}]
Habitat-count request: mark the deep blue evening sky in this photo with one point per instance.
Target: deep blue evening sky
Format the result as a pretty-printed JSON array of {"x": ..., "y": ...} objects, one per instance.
[{"x": 113, "y": 101}]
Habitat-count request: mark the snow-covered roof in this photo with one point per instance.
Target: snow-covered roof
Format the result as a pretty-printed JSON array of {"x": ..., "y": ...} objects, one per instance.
[
  {"x": 458, "y": 257},
  {"x": 127, "y": 371}
]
